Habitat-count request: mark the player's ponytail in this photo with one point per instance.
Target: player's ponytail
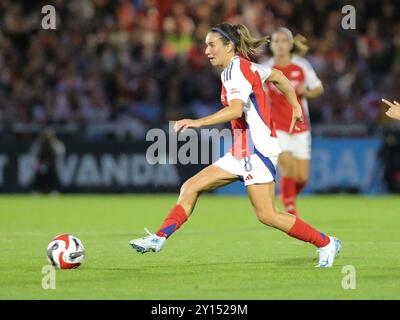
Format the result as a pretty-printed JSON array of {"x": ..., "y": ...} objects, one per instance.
[
  {"x": 299, "y": 45},
  {"x": 239, "y": 35},
  {"x": 247, "y": 44}
]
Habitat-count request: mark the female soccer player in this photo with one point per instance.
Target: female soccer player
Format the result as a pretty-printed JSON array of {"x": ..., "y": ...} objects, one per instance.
[
  {"x": 255, "y": 146},
  {"x": 296, "y": 146},
  {"x": 394, "y": 110}
]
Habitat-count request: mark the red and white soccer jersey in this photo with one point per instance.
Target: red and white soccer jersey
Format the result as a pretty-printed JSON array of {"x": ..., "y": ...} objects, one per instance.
[
  {"x": 243, "y": 80},
  {"x": 255, "y": 144},
  {"x": 298, "y": 71}
]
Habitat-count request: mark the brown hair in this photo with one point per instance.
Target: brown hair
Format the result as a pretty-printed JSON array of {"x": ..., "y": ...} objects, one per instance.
[
  {"x": 240, "y": 36},
  {"x": 300, "y": 46}
]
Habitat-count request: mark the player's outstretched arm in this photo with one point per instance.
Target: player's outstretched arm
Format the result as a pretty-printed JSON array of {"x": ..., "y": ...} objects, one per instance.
[
  {"x": 284, "y": 85},
  {"x": 394, "y": 110},
  {"x": 234, "y": 111}
]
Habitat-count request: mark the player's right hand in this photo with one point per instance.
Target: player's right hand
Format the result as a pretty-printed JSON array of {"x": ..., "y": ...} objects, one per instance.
[
  {"x": 297, "y": 116},
  {"x": 181, "y": 125}
]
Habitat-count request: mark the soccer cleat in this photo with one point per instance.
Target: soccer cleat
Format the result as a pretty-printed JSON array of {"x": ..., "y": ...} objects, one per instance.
[
  {"x": 152, "y": 243},
  {"x": 328, "y": 253}
]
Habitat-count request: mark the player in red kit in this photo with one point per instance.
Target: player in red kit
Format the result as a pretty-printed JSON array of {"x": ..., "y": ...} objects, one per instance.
[
  {"x": 296, "y": 146},
  {"x": 255, "y": 147}
]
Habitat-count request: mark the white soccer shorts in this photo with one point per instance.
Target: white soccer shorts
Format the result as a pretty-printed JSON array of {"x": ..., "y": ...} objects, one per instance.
[
  {"x": 299, "y": 144},
  {"x": 251, "y": 170}
]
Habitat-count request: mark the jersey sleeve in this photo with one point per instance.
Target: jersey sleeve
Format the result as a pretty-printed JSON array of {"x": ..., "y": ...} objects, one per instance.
[
  {"x": 235, "y": 83},
  {"x": 311, "y": 78},
  {"x": 264, "y": 70}
]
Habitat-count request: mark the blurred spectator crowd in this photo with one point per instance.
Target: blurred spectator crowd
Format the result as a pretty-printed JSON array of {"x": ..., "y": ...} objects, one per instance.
[{"x": 141, "y": 63}]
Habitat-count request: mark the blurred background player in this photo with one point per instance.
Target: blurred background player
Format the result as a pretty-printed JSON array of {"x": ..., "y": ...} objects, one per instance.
[
  {"x": 394, "y": 110},
  {"x": 296, "y": 146},
  {"x": 255, "y": 147},
  {"x": 47, "y": 150}
]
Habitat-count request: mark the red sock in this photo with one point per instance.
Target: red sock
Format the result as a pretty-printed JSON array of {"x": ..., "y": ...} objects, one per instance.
[
  {"x": 303, "y": 231},
  {"x": 288, "y": 194},
  {"x": 300, "y": 186},
  {"x": 173, "y": 221}
]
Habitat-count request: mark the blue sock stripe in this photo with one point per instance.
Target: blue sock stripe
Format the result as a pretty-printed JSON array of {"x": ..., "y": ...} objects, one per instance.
[{"x": 169, "y": 230}]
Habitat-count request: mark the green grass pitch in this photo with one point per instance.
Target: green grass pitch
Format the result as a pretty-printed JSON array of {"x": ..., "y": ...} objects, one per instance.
[{"x": 222, "y": 252}]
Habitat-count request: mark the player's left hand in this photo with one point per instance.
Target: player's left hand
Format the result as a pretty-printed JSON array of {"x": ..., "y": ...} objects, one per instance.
[
  {"x": 301, "y": 89},
  {"x": 182, "y": 125},
  {"x": 394, "y": 110},
  {"x": 297, "y": 117}
]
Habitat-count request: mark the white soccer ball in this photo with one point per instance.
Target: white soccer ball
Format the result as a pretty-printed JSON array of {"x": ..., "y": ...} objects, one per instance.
[{"x": 65, "y": 252}]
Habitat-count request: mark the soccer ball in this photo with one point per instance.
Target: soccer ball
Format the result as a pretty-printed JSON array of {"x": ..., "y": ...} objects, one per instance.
[{"x": 65, "y": 252}]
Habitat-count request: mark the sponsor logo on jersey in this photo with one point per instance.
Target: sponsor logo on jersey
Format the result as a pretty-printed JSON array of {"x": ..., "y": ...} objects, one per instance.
[{"x": 295, "y": 73}]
